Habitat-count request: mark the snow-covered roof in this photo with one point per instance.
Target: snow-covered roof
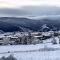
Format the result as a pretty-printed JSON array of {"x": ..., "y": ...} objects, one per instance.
[
  {"x": 14, "y": 37},
  {"x": 38, "y": 36}
]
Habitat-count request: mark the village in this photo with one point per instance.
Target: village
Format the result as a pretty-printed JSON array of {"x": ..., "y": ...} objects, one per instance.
[{"x": 27, "y": 38}]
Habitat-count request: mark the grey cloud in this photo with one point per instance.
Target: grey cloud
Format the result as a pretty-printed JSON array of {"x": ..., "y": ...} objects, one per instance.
[
  {"x": 31, "y": 10},
  {"x": 13, "y": 12}
]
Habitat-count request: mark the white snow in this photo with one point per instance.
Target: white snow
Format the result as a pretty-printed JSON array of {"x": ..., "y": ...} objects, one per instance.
[
  {"x": 45, "y": 51},
  {"x": 31, "y": 52}
]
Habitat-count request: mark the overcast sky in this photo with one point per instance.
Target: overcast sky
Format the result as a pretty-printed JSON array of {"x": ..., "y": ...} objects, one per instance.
[
  {"x": 27, "y": 7},
  {"x": 20, "y": 3}
]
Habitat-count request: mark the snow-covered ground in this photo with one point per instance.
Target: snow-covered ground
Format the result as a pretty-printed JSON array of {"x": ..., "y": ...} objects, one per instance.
[{"x": 46, "y": 51}]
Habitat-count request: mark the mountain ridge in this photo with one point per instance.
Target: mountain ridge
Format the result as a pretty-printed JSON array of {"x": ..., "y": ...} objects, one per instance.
[{"x": 21, "y": 24}]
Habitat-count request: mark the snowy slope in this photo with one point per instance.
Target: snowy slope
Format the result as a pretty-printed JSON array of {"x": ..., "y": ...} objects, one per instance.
[
  {"x": 45, "y": 51},
  {"x": 31, "y": 52}
]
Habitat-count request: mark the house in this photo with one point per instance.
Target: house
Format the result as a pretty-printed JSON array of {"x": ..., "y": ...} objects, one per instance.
[
  {"x": 37, "y": 39},
  {"x": 36, "y": 33},
  {"x": 1, "y": 39}
]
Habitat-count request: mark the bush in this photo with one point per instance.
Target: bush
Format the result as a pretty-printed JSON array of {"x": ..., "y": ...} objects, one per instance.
[
  {"x": 3, "y": 58},
  {"x": 11, "y": 57}
]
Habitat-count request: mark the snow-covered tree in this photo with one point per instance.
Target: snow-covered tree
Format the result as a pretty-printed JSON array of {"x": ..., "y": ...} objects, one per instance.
[
  {"x": 3, "y": 58},
  {"x": 59, "y": 39},
  {"x": 44, "y": 28},
  {"x": 54, "y": 41},
  {"x": 11, "y": 57}
]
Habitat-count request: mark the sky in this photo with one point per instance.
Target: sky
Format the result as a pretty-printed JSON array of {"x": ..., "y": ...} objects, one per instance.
[
  {"x": 29, "y": 7},
  {"x": 21, "y": 3}
]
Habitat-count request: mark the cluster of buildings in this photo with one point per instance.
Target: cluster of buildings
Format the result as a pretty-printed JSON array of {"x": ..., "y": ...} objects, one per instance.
[{"x": 26, "y": 37}]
